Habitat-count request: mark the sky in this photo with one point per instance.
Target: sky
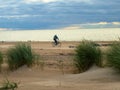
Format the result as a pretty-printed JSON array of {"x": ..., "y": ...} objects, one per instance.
[{"x": 54, "y": 14}]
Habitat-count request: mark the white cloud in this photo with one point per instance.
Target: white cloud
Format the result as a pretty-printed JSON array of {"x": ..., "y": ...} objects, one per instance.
[
  {"x": 116, "y": 23},
  {"x": 36, "y": 1},
  {"x": 48, "y": 1},
  {"x": 10, "y": 5},
  {"x": 106, "y": 23},
  {"x": 99, "y": 23},
  {"x": 86, "y": 1},
  {"x": 18, "y": 16},
  {"x": 73, "y": 27},
  {"x": 3, "y": 28},
  {"x": 93, "y": 25},
  {"x": 102, "y": 23}
]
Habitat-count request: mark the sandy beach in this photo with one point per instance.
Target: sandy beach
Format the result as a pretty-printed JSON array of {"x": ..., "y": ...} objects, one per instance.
[
  {"x": 38, "y": 64},
  {"x": 50, "y": 77}
]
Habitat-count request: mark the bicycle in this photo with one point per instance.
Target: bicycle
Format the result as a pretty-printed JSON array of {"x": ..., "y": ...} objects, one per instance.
[{"x": 58, "y": 44}]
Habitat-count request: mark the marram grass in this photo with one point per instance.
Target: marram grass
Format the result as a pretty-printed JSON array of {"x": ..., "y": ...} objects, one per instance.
[
  {"x": 20, "y": 55},
  {"x": 1, "y": 58},
  {"x": 86, "y": 55},
  {"x": 113, "y": 55}
]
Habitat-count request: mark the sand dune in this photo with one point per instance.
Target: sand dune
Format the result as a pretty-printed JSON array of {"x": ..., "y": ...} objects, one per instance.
[{"x": 51, "y": 78}]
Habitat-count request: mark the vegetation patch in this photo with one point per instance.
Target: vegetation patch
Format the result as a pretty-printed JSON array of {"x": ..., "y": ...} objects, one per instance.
[
  {"x": 7, "y": 85},
  {"x": 1, "y": 58},
  {"x": 113, "y": 55},
  {"x": 20, "y": 55},
  {"x": 86, "y": 55}
]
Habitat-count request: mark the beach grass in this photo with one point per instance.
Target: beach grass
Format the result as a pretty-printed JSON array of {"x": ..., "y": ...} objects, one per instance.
[
  {"x": 86, "y": 55},
  {"x": 20, "y": 55},
  {"x": 1, "y": 58},
  {"x": 8, "y": 85},
  {"x": 113, "y": 55}
]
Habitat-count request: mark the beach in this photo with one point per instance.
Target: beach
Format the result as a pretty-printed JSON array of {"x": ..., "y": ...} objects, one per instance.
[
  {"x": 87, "y": 53},
  {"x": 50, "y": 77}
]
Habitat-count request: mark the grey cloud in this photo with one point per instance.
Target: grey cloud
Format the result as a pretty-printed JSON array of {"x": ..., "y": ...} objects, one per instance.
[{"x": 60, "y": 13}]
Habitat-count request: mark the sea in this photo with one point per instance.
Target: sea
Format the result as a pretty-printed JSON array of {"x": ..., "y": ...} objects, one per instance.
[{"x": 99, "y": 34}]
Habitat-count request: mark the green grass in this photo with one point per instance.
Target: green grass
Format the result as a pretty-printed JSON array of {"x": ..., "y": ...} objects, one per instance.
[
  {"x": 86, "y": 55},
  {"x": 20, "y": 55},
  {"x": 7, "y": 85},
  {"x": 1, "y": 58},
  {"x": 113, "y": 55}
]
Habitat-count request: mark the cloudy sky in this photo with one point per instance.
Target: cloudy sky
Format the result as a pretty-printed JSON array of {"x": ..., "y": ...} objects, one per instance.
[{"x": 54, "y": 14}]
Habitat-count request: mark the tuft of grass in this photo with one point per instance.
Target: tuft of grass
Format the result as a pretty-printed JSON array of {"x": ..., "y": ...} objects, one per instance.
[
  {"x": 39, "y": 62},
  {"x": 1, "y": 58},
  {"x": 113, "y": 55},
  {"x": 7, "y": 85},
  {"x": 20, "y": 55},
  {"x": 98, "y": 57},
  {"x": 61, "y": 66},
  {"x": 86, "y": 55}
]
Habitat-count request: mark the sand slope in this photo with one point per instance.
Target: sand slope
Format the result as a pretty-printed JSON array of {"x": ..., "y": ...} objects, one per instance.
[
  {"x": 51, "y": 78},
  {"x": 94, "y": 79}
]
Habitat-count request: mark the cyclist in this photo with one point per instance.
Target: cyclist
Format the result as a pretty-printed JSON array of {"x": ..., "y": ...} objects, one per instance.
[{"x": 56, "y": 39}]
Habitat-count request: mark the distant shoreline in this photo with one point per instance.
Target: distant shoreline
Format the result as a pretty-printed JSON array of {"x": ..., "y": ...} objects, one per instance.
[{"x": 108, "y": 34}]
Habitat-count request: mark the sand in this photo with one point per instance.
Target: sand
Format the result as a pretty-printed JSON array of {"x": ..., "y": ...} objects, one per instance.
[{"x": 50, "y": 77}]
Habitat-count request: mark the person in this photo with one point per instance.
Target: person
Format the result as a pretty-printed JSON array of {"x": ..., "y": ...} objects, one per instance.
[{"x": 55, "y": 38}]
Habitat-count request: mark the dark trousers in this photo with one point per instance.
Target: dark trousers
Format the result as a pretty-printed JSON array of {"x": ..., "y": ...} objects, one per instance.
[{"x": 55, "y": 40}]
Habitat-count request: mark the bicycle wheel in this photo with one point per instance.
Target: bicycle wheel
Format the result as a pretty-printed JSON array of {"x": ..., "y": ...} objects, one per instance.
[
  {"x": 53, "y": 44},
  {"x": 59, "y": 44}
]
